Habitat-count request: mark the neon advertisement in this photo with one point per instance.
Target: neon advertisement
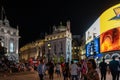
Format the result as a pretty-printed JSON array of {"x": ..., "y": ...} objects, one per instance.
[
  {"x": 110, "y": 40},
  {"x": 110, "y": 19},
  {"x": 93, "y": 31},
  {"x": 93, "y": 47}
]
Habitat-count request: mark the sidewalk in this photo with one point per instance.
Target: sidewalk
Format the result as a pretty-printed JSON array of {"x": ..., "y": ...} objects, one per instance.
[
  {"x": 17, "y": 73},
  {"x": 20, "y": 76},
  {"x": 34, "y": 76},
  {"x": 27, "y": 76}
]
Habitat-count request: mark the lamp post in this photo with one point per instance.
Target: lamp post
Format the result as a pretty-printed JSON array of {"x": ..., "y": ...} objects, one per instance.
[
  {"x": 48, "y": 54},
  {"x": 49, "y": 48}
]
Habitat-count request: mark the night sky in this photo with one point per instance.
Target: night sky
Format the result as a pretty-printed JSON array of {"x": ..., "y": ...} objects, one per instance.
[{"x": 35, "y": 17}]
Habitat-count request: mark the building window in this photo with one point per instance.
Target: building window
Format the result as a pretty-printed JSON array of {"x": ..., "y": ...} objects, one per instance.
[
  {"x": 55, "y": 48},
  {"x": 14, "y": 33},
  {"x": 61, "y": 45},
  {"x": 11, "y": 46},
  {"x": 2, "y": 30},
  {"x": 68, "y": 45},
  {"x": 8, "y": 32}
]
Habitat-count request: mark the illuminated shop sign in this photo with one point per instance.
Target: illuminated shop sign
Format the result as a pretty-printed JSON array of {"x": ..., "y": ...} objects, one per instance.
[{"x": 92, "y": 48}]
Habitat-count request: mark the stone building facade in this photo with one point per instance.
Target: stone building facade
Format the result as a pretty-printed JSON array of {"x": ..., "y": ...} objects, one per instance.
[
  {"x": 58, "y": 45},
  {"x": 9, "y": 37}
]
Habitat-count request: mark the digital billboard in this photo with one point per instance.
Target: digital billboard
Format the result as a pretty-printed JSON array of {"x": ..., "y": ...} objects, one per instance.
[
  {"x": 93, "y": 31},
  {"x": 110, "y": 19},
  {"x": 93, "y": 47},
  {"x": 97, "y": 45},
  {"x": 88, "y": 49},
  {"x": 107, "y": 27},
  {"x": 110, "y": 40}
]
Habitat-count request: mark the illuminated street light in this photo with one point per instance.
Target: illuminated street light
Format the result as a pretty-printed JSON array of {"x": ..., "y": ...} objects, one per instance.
[{"x": 49, "y": 48}]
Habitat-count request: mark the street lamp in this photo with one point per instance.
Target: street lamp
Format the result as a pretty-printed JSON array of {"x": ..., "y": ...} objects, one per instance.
[{"x": 49, "y": 48}]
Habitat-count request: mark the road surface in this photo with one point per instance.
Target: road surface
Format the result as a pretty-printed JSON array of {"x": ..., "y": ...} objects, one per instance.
[{"x": 34, "y": 76}]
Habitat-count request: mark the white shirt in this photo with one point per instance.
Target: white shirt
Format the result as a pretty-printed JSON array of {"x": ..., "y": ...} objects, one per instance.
[{"x": 73, "y": 69}]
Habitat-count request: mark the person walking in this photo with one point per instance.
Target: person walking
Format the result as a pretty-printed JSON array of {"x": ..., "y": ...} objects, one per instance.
[
  {"x": 73, "y": 70},
  {"x": 79, "y": 71},
  {"x": 118, "y": 69},
  {"x": 91, "y": 74},
  {"x": 113, "y": 66},
  {"x": 51, "y": 70},
  {"x": 58, "y": 70},
  {"x": 67, "y": 71},
  {"x": 103, "y": 69},
  {"x": 83, "y": 68},
  {"x": 41, "y": 69}
]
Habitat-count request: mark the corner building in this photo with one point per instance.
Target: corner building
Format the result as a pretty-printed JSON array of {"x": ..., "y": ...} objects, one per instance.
[
  {"x": 9, "y": 37},
  {"x": 58, "y": 45}
]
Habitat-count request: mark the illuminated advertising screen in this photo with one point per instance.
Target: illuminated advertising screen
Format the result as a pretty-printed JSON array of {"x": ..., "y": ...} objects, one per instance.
[
  {"x": 97, "y": 45},
  {"x": 110, "y": 40},
  {"x": 93, "y": 47},
  {"x": 110, "y": 18},
  {"x": 105, "y": 27},
  {"x": 93, "y": 31},
  {"x": 88, "y": 49}
]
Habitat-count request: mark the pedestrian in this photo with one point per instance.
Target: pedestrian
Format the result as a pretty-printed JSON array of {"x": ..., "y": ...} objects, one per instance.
[
  {"x": 51, "y": 70},
  {"x": 79, "y": 70},
  {"x": 63, "y": 65},
  {"x": 73, "y": 70},
  {"x": 113, "y": 66},
  {"x": 91, "y": 74},
  {"x": 58, "y": 70},
  {"x": 41, "y": 69},
  {"x": 83, "y": 68},
  {"x": 66, "y": 71},
  {"x": 103, "y": 69},
  {"x": 118, "y": 69}
]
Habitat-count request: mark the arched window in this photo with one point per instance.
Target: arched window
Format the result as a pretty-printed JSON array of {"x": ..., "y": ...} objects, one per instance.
[
  {"x": 2, "y": 40},
  {"x": 11, "y": 45}
]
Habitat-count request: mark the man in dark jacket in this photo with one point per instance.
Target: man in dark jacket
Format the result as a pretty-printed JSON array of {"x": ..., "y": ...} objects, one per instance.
[
  {"x": 118, "y": 70},
  {"x": 103, "y": 69},
  {"x": 113, "y": 65},
  {"x": 51, "y": 70}
]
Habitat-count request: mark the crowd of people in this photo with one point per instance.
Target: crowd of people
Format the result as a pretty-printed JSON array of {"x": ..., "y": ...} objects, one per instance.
[
  {"x": 83, "y": 70},
  {"x": 10, "y": 66},
  {"x": 7, "y": 66},
  {"x": 113, "y": 67}
]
